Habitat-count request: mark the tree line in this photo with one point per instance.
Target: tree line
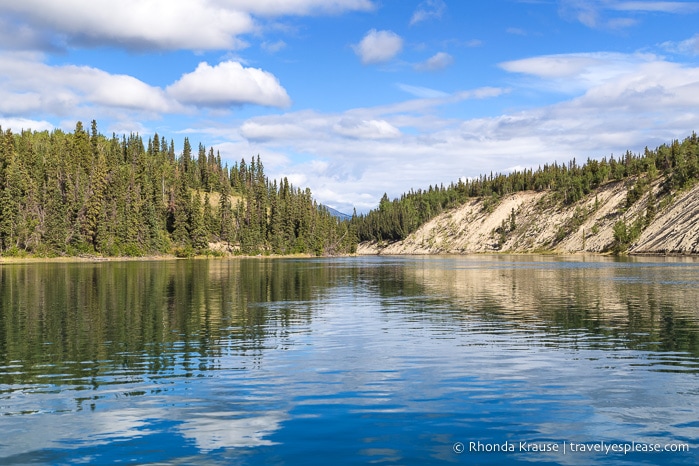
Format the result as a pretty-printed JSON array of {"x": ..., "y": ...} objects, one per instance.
[
  {"x": 84, "y": 193},
  {"x": 678, "y": 162}
]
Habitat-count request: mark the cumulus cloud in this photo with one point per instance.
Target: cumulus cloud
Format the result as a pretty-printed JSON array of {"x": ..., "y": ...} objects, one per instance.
[
  {"x": 15, "y": 36},
  {"x": 125, "y": 92},
  {"x": 378, "y": 46},
  {"x": 229, "y": 84},
  {"x": 652, "y": 87},
  {"x": 625, "y": 101},
  {"x": 31, "y": 86},
  {"x": 155, "y": 24},
  {"x": 429, "y": 9},
  {"x": 350, "y": 153},
  {"x": 19, "y": 124},
  {"x": 436, "y": 62},
  {"x": 19, "y": 103},
  {"x": 262, "y": 131},
  {"x": 608, "y": 82},
  {"x": 366, "y": 129}
]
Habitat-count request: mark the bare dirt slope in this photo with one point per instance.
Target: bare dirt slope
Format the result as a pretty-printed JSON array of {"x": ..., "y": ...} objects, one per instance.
[
  {"x": 675, "y": 230},
  {"x": 544, "y": 224}
]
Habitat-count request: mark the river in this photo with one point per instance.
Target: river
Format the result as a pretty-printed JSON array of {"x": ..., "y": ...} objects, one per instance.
[{"x": 396, "y": 360}]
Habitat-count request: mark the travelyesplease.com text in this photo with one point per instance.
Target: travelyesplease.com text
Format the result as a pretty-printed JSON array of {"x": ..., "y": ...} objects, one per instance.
[{"x": 566, "y": 447}]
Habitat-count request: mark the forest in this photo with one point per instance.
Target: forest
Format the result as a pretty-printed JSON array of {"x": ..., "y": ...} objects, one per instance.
[
  {"x": 677, "y": 163},
  {"x": 85, "y": 194}
]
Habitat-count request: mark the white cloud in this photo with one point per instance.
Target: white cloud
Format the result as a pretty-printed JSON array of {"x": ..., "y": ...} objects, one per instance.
[
  {"x": 422, "y": 92},
  {"x": 30, "y": 86},
  {"x": 125, "y": 92},
  {"x": 366, "y": 129},
  {"x": 350, "y": 159},
  {"x": 229, "y": 84},
  {"x": 553, "y": 66},
  {"x": 153, "y": 24},
  {"x": 429, "y": 9},
  {"x": 19, "y": 124},
  {"x": 378, "y": 46},
  {"x": 261, "y": 131},
  {"x": 273, "y": 47},
  {"x": 350, "y": 154},
  {"x": 576, "y": 72},
  {"x": 19, "y": 103},
  {"x": 156, "y": 24},
  {"x": 15, "y": 36},
  {"x": 302, "y": 126},
  {"x": 585, "y": 11},
  {"x": 652, "y": 87},
  {"x": 436, "y": 62},
  {"x": 628, "y": 88},
  {"x": 594, "y": 13},
  {"x": 302, "y": 7},
  {"x": 665, "y": 7},
  {"x": 689, "y": 46},
  {"x": 123, "y": 126}
]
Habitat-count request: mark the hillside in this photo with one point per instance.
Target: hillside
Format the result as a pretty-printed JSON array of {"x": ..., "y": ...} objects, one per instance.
[
  {"x": 86, "y": 194},
  {"x": 608, "y": 219}
]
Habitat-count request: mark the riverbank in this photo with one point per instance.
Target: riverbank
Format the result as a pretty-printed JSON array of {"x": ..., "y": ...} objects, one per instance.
[
  {"x": 35, "y": 259},
  {"x": 538, "y": 222},
  {"x": 164, "y": 257}
]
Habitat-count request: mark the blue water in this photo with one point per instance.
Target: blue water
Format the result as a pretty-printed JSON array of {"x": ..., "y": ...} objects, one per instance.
[{"x": 414, "y": 360}]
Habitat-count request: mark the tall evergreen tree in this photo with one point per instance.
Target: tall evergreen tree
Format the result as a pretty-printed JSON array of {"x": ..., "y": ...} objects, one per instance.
[
  {"x": 81, "y": 192},
  {"x": 181, "y": 212}
]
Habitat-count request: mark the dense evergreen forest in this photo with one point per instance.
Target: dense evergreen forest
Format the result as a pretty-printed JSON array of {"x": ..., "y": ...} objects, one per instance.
[
  {"x": 82, "y": 193},
  {"x": 678, "y": 162}
]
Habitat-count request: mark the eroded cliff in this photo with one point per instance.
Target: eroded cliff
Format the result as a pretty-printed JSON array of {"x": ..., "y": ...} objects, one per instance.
[{"x": 529, "y": 221}]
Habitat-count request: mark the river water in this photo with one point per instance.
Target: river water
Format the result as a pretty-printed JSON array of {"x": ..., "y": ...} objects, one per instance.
[{"x": 404, "y": 360}]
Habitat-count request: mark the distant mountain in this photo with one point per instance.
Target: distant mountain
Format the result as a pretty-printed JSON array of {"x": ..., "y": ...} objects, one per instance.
[{"x": 336, "y": 213}]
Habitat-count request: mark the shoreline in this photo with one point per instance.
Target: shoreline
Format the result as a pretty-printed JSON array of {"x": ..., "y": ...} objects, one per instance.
[
  {"x": 540, "y": 253},
  {"x": 150, "y": 258},
  {"x": 172, "y": 257}
]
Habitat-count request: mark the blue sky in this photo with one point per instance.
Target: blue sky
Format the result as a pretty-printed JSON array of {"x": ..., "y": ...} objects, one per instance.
[{"x": 354, "y": 98}]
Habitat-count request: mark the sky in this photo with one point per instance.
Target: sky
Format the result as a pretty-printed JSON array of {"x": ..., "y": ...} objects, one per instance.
[{"x": 357, "y": 98}]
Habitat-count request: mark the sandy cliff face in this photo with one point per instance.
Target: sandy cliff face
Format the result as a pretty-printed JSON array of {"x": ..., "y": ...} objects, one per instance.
[
  {"x": 675, "y": 229},
  {"x": 541, "y": 223}
]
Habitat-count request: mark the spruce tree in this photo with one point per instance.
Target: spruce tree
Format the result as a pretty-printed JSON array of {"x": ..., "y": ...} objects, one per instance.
[
  {"x": 181, "y": 214},
  {"x": 197, "y": 229}
]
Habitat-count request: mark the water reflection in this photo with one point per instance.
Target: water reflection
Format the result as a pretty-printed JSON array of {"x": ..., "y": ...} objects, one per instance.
[
  {"x": 357, "y": 359},
  {"x": 116, "y": 339},
  {"x": 91, "y": 324},
  {"x": 639, "y": 305}
]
